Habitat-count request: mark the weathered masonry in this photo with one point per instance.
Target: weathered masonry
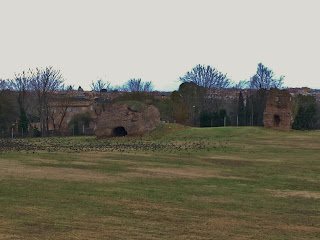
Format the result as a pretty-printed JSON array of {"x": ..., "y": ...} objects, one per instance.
[
  {"x": 278, "y": 112},
  {"x": 120, "y": 120}
]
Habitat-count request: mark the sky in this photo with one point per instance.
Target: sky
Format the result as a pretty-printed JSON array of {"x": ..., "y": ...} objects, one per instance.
[{"x": 160, "y": 41}]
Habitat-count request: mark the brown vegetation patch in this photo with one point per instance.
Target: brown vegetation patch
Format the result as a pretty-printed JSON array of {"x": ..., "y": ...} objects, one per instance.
[
  {"x": 288, "y": 193},
  {"x": 7, "y": 230},
  {"x": 92, "y": 157},
  {"x": 5, "y": 236},
  {"x": 307, "y": 179},
  {"x": 173, "y": 220},
  {"x": 137, "y": 154},
  {"x": 84, "y": 163},
  {"x": 299, "y": 228},
  {"x": 50, "y": 161},
  {"x": 139, "y": 205},
  {"x": 234, "y": 158},
  {"x": 11, "y": 169},
  {"x": 188, "y": 172},
  {"x": 212, "y": 199}
]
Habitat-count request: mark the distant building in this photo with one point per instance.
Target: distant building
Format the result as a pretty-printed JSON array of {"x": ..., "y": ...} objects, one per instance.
[
  {"x": 296, "y": 91},
  {"x": 316, "y": 94},
  {"x": 62, "y": 111}
]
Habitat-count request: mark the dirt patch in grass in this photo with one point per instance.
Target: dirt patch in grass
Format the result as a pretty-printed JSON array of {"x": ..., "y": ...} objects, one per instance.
[
  {"x": 212, "y": 199},
  {"x": 188, "y": 172},
  {"x": 229, "y": 163},
  {"x": 11, "y": 169},
  {"x": 93, "y": 156},
  {"x": 7, "y": 231},
  {"x": 178, "y": 222},
  {"x": 288, "y": 193},
  {"x": 136, "y": 154},
  {"x": 8, "y": 236},
  {"x": 139, "y": 205},
  {"x": 306, "y": 179},
  {"x": 299, "y": 228},
  {"x": 298, "y": 144},
  {"x": 245, "y": 160},
  {"x": 84, "y": 163},
  {"x": 41, "y": 160}
]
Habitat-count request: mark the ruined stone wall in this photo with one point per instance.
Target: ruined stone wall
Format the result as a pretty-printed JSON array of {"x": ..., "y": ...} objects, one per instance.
[
  {"x": 278, "y": 112},
  {"x": 136, "y": 123}
]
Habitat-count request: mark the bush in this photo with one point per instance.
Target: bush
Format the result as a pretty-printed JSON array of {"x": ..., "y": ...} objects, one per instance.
[
  {"x": 78, "y": 121},
  {"x": 36, "y": 132},
  {"x": 306, "y": 116},
  {"x": 206, "y": 118},
  {"x": 214, "y": 119}
]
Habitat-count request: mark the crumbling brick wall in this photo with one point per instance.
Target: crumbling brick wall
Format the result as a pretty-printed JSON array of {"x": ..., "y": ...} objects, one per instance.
[
  {"x": 278, "y": 112},
  {"x": 133, "y": 123}
]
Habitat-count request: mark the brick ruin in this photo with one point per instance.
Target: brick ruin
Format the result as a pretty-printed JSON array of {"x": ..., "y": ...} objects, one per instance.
[
  {"x": 120, "y": 120},
  {"x": 278, "y": 112}
]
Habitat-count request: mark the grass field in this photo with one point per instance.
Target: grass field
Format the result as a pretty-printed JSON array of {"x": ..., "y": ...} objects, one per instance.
[{"x": 177, "y": 183}]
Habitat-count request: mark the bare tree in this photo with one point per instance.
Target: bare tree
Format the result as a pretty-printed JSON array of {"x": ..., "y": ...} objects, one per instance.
[
  {"x": 264, "y": 78},
  {"x": 102, "y": 88},
  {"x": 135, "y": 85},
  {"x": 4, "y": 84},
  {"x": 209, "y": 82},
  {"x": 207, "y": 77},
  {"x": 242, "y": 84},
  {"x": 44, "y": 82},
  {"x": 100, "y": 85},
  {"x": 58, "y": 107},
  {"x": 22, "y": 84}
]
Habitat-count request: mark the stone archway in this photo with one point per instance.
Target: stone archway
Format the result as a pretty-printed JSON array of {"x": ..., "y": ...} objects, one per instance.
[
  {"x": 119, "y": 131},
  {"x": 276, "y": 120}
]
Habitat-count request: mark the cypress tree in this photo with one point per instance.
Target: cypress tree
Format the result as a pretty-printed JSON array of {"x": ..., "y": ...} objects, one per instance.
[
  {"x": 241, "y": 110},
  {"x": 205, "y": 118},
  {"x": 23, "y": 121}
]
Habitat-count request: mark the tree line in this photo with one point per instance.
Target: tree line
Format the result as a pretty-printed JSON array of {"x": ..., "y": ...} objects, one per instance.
[
  {"x": 25, "y": 99},
  {"x": 199, "y": 101}
]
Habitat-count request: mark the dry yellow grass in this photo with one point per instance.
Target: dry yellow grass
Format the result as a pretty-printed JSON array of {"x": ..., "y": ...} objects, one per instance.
[
  {"x": 289, "y": 193},
  {"x": 10, "y": 169}
]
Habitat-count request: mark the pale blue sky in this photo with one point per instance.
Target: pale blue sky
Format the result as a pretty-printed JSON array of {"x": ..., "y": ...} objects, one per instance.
[{"x": 159, "y": 41}]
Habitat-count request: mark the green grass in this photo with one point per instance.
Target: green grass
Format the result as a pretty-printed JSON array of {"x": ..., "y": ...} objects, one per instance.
[
  {"x": 177, "y": 183},
  {"x": 134, "y": 105}
]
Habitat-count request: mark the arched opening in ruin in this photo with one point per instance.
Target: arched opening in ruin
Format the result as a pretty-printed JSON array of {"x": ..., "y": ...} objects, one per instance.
[
  {"x": 276, "y": 120},
  {"x": 119, "y": 131}
]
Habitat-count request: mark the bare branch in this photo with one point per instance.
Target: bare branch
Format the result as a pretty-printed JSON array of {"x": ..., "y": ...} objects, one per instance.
[
  {"x": 100, "y": 85},
  {"x": 44, "y": 82},
  {"x": 264, "y": 78},
  {"x": 207, "y": 77},
  {"x": 136, "y": 85}
]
